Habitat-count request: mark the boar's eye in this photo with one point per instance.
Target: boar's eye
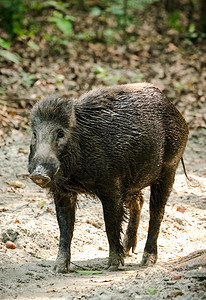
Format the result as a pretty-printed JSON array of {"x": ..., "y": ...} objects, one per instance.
[{"x": 60, "y": 134}]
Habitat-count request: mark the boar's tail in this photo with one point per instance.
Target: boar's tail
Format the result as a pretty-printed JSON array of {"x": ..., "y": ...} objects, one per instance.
[
  {"x": 191, "y": 181},
  {"x": 184, "y": 169}
]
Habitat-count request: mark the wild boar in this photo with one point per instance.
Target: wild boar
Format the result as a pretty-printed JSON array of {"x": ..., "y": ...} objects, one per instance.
[{"x": 111, "y": 142}]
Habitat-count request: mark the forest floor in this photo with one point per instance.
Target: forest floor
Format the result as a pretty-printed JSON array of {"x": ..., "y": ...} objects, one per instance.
[
  {"x": 28, "y": 220},
  {"x": 27, "y": 215}
]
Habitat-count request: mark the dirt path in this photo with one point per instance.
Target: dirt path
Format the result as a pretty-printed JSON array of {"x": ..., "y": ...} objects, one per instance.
[{"x": 27, "y": 218}]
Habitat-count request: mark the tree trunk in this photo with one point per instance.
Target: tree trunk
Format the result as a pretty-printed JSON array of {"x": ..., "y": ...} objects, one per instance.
[
  {"x": 172, "y": 5},
  {"x": 202, "y": 26}
]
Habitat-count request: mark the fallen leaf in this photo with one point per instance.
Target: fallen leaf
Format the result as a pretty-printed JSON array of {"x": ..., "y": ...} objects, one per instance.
[
  {"x": 175, "y": 294},
  {"x": 171, "y": 48},
  {"x": 181, "y": 209},
  {"x": 83, "y": 272},
  {"x": 24, "y": 151},
  {"x": 176, "y": 277},
  {"x": 16, "y": 184},
  {"x": 52, "y": 291}
]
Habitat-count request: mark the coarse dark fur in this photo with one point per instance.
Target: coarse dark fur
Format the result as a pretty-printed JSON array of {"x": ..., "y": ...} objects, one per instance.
[{"x": 111, "y": 142}]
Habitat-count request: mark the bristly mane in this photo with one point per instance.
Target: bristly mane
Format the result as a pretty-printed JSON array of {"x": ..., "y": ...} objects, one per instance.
[{"x": 53, "y": 108}]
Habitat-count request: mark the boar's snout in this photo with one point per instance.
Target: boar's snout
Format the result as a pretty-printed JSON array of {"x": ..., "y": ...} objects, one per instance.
[
  {"x": 40, "y": 180},
  {"x": 42, "y": 175}
]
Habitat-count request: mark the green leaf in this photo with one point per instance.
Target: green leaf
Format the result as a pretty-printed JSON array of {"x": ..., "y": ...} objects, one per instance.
[
  {"x": 65, "y": 26},
  {"x": 191, "y": 28},
  {"x": 4, "y": 44},
  {"x": 56, "y": 4},
  {"x": 151, "y": 290},
  {"x": 95, "y": 12},
  {"x": 100, "y": 70},
  {"x": 27, "y": 79},
  {"x": 83, "y": 272},
  {"x": 57, "y": 14},
  {"x": 10, "y": 56},
  {"x": 33, "y": 46},
  {"x": 117, "y": 10},
  {"x": 53, "y": 19},
  {"x": 70, "y": 18}
]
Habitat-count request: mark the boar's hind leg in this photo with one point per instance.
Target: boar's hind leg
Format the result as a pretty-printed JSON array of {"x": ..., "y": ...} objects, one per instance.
[
  {"x": 65, "y": 210},
  {"x": 113, "y": 215},
  {"x": 160, "y": 192},
  {"x": 134, "y": 204}
]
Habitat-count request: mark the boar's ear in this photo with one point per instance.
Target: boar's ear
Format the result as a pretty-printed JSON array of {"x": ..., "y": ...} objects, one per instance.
[{"x": 72, "y": 120}]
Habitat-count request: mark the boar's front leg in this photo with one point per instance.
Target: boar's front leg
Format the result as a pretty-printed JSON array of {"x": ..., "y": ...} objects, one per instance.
[
  {"x": 65, "y": 210},
  {"x": 113, "y": 215}
]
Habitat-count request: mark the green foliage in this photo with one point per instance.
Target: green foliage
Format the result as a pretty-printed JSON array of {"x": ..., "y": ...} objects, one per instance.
[
  {"x": 4, "y": 44},
  {"x": 138, "y": 4},
  {"x": 33, "y": 45},
  {"x": 7, "y": 54},
  {"x": 95, "y": 11},
  {"x": 152, "y": 290},
  {"x": 10, "y": 56},
  {"x": 193, "y": 35},
  {"x": 179, "y": 86},
  {"x": 109, "y": 36},
  {"x": 108, "y": 78},
  {"x": 88, "y": 35},
  {"x": 125, "y": 10},
  {"x": 15, "y": 21},
  {"x": 174, "y": 21},
  {"x": 58, "y": 5},
  {"x": 125, "y": 13},
  {"x": 27, "y": 79},
  {"x": 12, "y": 16},
  {"x": 62, "y": 23},
  {"x": 100, "y": 72},
  {"x": 25, "y": 18},
  {"x": 103, "y": 74},
  {"x": 55, "y": 42},
  {"x": 42, "y": 204},
  {"x": 190, "y": 34}
]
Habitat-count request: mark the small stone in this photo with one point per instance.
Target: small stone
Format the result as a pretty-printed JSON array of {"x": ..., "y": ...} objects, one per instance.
[{"x": 10, "y": 245}]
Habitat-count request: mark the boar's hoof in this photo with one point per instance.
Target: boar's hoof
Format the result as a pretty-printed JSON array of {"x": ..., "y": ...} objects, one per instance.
[
  {"x": 114, "y": 262},
  {"x": 126, "y": 251},
  {"x": 148, "y": 259},
  {"x": 127, "y": 247},
  {"x": 61, "y": 264}
]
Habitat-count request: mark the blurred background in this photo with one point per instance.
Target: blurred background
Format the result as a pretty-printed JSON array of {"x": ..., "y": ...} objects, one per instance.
[{"x": 69, "y": 47}]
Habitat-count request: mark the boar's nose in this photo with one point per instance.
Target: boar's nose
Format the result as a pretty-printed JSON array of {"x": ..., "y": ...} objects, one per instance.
[
  {"x": 40, "y": 176},
  {"x": 41, "y": 180}
]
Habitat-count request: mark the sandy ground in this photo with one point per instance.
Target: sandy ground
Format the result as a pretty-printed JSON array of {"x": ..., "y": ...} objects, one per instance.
[{"x": 27, "y": 218}]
